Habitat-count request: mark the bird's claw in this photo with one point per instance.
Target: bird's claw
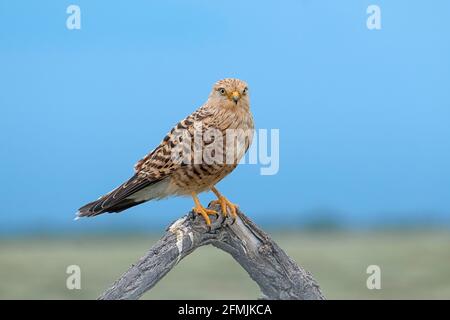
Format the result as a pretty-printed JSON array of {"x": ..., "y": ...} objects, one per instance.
[
  {"x": 226, "y": 204},
  {"x": 205, "y": 214}
]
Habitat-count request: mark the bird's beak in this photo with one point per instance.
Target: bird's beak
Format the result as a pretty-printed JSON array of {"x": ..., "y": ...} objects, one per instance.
[{"x": 235, "y": 96}]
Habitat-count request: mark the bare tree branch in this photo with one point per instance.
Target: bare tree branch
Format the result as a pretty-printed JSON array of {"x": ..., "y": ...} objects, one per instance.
[{"x": 277, "y": 275}]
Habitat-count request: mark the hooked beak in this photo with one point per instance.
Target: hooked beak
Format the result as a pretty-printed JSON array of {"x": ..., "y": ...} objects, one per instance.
[{"x": 235, "y": 96}]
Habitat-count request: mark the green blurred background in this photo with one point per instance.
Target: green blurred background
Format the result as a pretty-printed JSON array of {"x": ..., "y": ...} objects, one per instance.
[{"x": 414, "y": 264}]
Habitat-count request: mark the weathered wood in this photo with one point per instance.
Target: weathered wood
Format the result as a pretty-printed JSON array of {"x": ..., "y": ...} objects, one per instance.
[{"x": 277, "y": 275}]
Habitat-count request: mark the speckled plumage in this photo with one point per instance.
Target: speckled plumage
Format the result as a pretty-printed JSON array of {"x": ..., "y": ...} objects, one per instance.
[{"x": 159, "y": 175}]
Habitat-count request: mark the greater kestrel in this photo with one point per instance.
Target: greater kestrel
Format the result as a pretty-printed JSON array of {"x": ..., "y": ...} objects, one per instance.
[{"x": 192, "y": 158}]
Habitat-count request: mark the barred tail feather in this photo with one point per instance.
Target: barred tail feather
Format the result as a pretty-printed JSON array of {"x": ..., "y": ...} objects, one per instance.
[{"x": 133, "y": 192}]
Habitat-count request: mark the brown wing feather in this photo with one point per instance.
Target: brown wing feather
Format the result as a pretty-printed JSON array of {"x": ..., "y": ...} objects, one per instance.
[
  {"x": 153, "y": 168},
  {"x": 116, "y": 200},
  {"x": 159, "y": 162}
]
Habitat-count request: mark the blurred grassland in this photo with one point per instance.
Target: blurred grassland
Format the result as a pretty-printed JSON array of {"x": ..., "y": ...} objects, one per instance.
[{"x": 414, "y": 264}]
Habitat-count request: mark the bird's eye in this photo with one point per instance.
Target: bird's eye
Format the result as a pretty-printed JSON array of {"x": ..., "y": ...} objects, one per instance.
[
  {"x": 245, "y": 90},
  {"x": 222, "y": 91}
]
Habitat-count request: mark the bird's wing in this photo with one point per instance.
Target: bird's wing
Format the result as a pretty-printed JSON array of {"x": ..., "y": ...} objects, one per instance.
[
  {"x": 161, "y": 162},
  {"x": 118, "y": 199},
  {"x": 150, "y": 170}
]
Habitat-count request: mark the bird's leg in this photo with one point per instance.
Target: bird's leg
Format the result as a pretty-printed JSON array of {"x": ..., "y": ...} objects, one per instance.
[
  {"x": 224, "y": 204},
  {"x": 199, "y": 209}
]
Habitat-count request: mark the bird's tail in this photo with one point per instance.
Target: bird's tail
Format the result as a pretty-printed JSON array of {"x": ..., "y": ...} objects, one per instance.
[
  {"x": 96, "y": 207},
  {"x": 125, "y": 196}
]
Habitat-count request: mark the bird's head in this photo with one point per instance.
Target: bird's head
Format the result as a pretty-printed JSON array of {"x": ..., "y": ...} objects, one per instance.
[{"x": 230, "y": 93}]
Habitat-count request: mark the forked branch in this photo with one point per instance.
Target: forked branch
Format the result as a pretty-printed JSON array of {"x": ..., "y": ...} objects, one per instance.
[{"x": 277, "y": 275}]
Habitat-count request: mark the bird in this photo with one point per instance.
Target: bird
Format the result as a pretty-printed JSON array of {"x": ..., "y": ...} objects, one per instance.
[{"x": 197, "y": 153}]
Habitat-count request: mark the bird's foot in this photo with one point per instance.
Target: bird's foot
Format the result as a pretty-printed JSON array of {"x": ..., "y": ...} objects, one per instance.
[
  {"x": 226, "y": 204},
  {"x": 199, "y": 209}
]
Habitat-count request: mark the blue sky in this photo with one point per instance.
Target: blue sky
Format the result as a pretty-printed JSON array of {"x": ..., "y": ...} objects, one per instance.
[{"x": 364, "y": 115}]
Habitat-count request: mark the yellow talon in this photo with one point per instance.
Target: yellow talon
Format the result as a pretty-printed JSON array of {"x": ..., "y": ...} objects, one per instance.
[
  {"x": 199, "y": 209},
  {"x": 224, "y": 204}
]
